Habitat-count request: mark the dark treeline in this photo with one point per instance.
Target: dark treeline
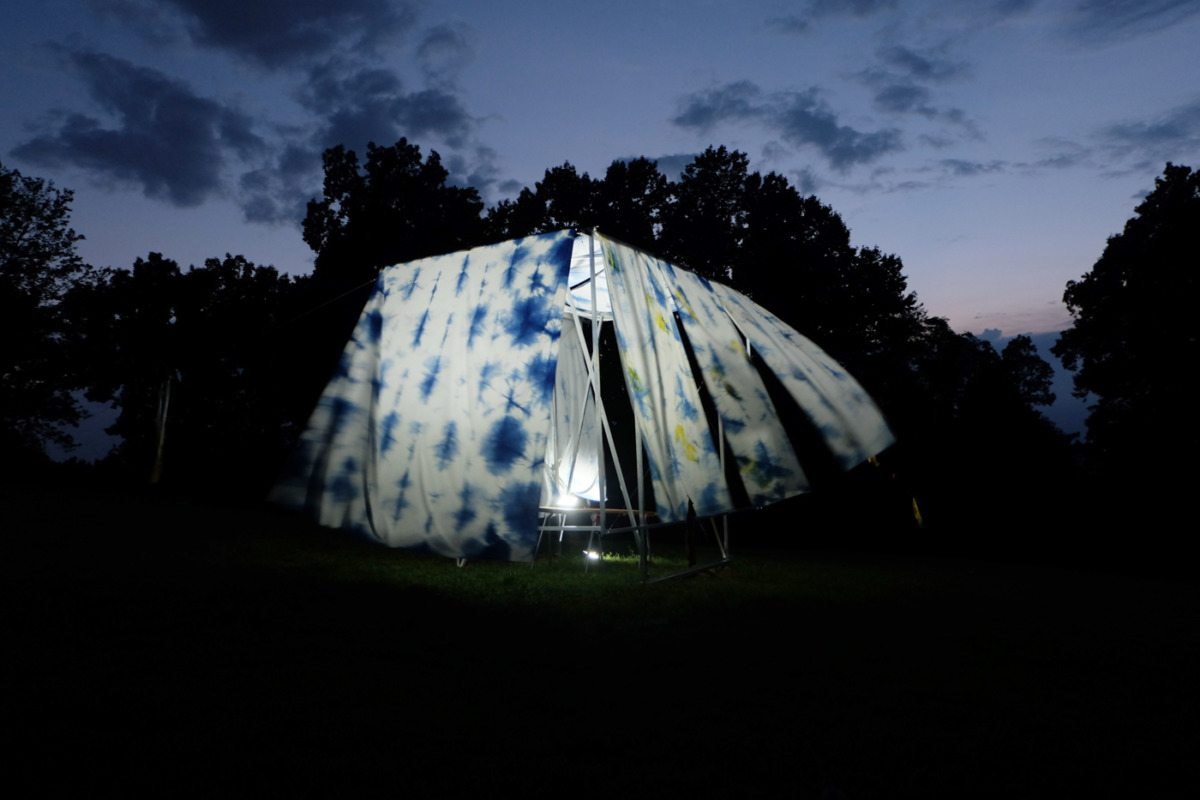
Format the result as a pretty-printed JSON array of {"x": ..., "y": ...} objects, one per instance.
[{"x": 235, "y": 354}]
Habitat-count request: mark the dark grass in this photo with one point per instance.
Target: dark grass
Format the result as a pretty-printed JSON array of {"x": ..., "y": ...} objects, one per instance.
[{"x": 158, "y": 647}]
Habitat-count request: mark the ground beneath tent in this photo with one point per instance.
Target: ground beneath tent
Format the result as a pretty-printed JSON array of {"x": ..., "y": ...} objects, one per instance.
[{"x": 168, "y": 648}]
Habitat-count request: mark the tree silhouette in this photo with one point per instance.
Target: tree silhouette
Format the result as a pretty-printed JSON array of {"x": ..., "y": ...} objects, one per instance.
[
  {"x": 628, "y": 204},
  {"x": 207, "y": 339},
  {"x": 705, "y": 224},
  {"x": 38, "y": 264},
  {"x": 1028, "y": 373},
  {"x": 392, "y": 209},
  {"x": 1133, "y": 340}
]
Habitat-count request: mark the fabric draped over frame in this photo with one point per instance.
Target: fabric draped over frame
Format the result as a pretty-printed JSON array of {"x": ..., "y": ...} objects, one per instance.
[
  {"x": 433, "y": 431},
  {"x": 463, "y": 402}
]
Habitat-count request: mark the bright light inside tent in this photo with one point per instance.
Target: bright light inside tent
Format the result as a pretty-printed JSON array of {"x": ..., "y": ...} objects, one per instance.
[{"x": 567, "y": 501}]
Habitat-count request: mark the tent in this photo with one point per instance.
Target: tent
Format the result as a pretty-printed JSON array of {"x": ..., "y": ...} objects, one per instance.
[{"x": 467, "y": 411}]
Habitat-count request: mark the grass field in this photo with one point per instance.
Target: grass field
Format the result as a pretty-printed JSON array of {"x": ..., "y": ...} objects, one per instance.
[{"x": 156, "y": 647}]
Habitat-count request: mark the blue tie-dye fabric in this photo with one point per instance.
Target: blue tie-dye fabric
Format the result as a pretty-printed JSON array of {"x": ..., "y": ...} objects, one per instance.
[
  {"x": 435, "y": 430},
  {"x": 432, "y": 434},
  {"x": 684, "y": 461},
  {"x": 848, "y": 419},
  {"x": 768, "y": 465}
]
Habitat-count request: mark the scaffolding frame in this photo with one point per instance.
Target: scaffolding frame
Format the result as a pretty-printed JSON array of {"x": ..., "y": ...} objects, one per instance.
[{"x": 554, "y": 517}]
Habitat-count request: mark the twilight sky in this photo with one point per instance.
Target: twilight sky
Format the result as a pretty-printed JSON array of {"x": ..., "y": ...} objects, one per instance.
[{"x": 993, "y": 146}]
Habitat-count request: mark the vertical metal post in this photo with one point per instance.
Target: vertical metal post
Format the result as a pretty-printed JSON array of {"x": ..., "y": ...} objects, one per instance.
[
  {"x": 643, "y": 533},
  {"x": 602, "y": 481},
  {"x": 724, "y": 517}
]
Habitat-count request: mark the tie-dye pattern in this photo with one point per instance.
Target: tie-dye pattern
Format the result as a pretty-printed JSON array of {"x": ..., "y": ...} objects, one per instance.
[
  {"x": 443, "y": 450},
  {"x": 769, "y": 468},
  {"x": 684, "y": 462},
  {"x": 848, "y": 419},
  {"x": 460, "y": 397}
]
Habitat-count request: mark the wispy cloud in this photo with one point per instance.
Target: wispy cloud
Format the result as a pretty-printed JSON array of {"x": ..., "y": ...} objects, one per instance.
[
  {"x": 805, "y": 19},
  {"x": 444, "y": 51},
  {"x": 902, "y": 78},
  {"x": 849, "y": 8},
  {"x": 1174, "y": 135},
  {"x": 278, "y": 191},
  {"x": 931, "y": 66},
  {"x": 1105, "y": 21},
  {"x": 271, "y": 33},
  {"x": 959, "y": 167},
  {"x": 790, "y": 25},
  {"x": 802, "y": 119}
]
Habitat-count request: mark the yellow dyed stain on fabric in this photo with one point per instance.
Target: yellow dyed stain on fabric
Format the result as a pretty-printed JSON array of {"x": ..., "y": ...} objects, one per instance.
[
  {"x": 687, "y": 306},
  {"x": 753, "y": 471},
  {"x": 611, "y": 259},
  {"x": 689, "y": 448},
  {"x": 636, "y": 382},
  {"x": 658, "y": 317},
  {"x": 737, "y": 347}
]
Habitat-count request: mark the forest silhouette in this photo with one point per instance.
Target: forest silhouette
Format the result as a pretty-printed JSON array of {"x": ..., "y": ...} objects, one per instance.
[{"x": 234, "y": 355}]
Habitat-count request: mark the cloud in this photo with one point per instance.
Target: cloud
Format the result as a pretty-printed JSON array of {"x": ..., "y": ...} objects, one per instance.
[
  {"x": 929, "y": 66},
  {"x": 166, "y": 139},
  {"x": 963, "y": 168},
  {"x": 802, "y": 23},
  {"x": 673, "y": 164},
  {"x": 805, "y": 180},
  {"x": 278, "y": 192},
  {"x": 1060, "y": 154},
  {"x": 802, "y": 119},
  {"x": 898, "y": 84},
  {"x": 1173, "y": 135},
  {"x": 736, "y": 101},
  {"x": 850, "y": 8},
  {"x": 272, "y": 33},
  {"x": 903, "y": 97},
  {"x": 790, "y": 25},
  {"x": 1105, "y": 21},
  {"x": 443, "y": 53},
  {"x": 1012, "y": 8},
  {"x": 799, "y": 118},
  {"x": 476, "y": 167},
  {"x": 990, "y": 335},
  {"x": 363, "y": 104}
]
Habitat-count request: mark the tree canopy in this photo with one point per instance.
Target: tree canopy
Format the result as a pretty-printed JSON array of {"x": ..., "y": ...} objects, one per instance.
[
  {"x": 1133, "y": 340},
  {"x": 245, "y": 352},
  {"x": 38, "y": 264},
  {"x": 396, "y": 207},
  {"x": 205, "y": 338}
]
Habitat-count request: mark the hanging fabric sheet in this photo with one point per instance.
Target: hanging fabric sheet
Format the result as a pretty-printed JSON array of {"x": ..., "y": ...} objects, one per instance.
[
  {"x": 766, "y": 461},
  {"x": 683, "y": 458},
  {"x": 848, "y": 419},
  {"x": 432, "y": 434}
]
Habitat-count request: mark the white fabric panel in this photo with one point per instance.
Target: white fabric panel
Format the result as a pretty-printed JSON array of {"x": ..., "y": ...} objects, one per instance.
[
  {"x": 457, "y": 404},
  {"x": 846, "y": 416},
  {"x": 572, "y": 460},
  {"x": 580, "y": 280},
  {"x": 683, "y": 460},
  {"x": 768, "y": 465},
  {"x": 433, "y": 433}
]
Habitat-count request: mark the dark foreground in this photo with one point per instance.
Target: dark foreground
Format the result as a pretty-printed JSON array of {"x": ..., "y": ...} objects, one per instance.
[{"x": 159, "y": 648}]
